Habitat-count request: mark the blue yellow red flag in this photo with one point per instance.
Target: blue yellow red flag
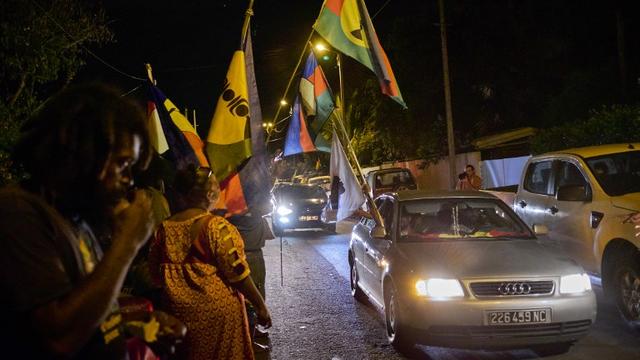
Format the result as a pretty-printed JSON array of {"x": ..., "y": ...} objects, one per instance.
[
  {"x": 169, "y": 133},
  {"x": 298, "y": 139}
]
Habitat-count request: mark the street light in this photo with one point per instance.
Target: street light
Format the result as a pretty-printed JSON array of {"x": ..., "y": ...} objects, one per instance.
[{"x": 283, "y": 102}]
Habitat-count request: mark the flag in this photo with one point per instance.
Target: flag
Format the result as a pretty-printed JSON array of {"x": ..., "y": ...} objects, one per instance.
[
  {"x": 188, "y": 131},
  {"x": 253, "y": 175},
  {"x": 317, "y": 100},
  {"x": 169, "y": 138},
  {"x": 350, "y": 196},
  {"x": 298, "y": 139},
  {"x": 346, "y": 25},
  {"x": 235, "y": 144}
]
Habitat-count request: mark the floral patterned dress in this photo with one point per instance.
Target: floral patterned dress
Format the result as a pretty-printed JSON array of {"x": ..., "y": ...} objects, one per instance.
[{"x": 196, "y": 278}]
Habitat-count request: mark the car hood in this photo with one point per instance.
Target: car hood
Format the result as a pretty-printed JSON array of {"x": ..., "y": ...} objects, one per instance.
[
  {"x": 628, "y": 201},
  {"x": 464, "y": 259}
]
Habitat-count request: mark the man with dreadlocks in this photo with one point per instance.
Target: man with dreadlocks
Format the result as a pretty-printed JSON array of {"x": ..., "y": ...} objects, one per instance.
[{"x": 60, "y": 288}]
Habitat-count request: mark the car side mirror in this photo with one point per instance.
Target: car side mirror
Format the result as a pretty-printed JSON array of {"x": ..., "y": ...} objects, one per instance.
[
  {"x": 573, "y": 193},
  {"x": 539, "y": 229},
  {"x": 378, "y": 232}
]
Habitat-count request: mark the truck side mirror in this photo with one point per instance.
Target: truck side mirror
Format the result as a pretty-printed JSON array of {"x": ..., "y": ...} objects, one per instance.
[
  {"x": 378, "y": 232},
  {"x": 573, "y": 193},
  {"x": 540, "y": 229}
]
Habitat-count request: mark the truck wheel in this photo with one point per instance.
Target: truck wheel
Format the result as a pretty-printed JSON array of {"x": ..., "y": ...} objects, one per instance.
[{"x": 626, "y": 287}]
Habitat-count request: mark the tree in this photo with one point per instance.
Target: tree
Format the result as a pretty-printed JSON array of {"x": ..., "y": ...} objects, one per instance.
[
  {"x": 42, "y": 47},
  {"x": 609, "y": 125}
]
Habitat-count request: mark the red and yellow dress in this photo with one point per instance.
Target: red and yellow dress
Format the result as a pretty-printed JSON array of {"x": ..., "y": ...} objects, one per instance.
[{"x": 196, "y": 278}]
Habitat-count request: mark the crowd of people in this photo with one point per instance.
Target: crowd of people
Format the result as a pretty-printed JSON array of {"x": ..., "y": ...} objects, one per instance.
[{"x": 76, "y": 232}]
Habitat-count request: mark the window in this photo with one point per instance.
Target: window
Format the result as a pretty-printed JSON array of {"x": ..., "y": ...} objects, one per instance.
[
  {"x": 537, "y": 178},
  {"x": 569, "y": 174}
]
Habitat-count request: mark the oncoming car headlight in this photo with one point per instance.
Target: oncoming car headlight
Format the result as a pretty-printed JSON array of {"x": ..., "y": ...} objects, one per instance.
[
  {"x": 439, "y": 288},
  {"x": 283, "y": 210},
  {"x": 574, "y": 284}
]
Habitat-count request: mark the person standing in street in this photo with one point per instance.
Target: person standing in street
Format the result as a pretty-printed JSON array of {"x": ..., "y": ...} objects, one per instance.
[
  {"x": 198, "y": 260},
  {"x": 468, "y": 180},
  {"x": 60, "y": 287},
  {"x": 254, "y": 230}
]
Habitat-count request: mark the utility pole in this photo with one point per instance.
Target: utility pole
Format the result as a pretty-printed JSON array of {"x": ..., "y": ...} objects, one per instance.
[{"x": 447, "y": 98}]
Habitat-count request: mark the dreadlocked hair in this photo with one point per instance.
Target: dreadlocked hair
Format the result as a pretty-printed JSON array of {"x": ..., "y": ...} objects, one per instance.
[{"x": 66, "y": 144}]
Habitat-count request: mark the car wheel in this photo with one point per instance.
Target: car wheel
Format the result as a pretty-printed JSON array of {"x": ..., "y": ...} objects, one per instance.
[
  {"x": 330, "y": 228},
  {"x": 626, "y": 281},
  {"x": 397, "y": 333},
  {"x": 552, "y": 349},
  {"x": 356, "y": 292}
]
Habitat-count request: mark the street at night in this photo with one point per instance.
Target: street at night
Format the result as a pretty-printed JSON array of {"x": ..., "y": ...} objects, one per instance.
[{"x": 315, "y": 317}]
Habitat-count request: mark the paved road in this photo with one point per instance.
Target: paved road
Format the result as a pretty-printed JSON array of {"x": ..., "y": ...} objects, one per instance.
[{"x": 315, "y": 316}]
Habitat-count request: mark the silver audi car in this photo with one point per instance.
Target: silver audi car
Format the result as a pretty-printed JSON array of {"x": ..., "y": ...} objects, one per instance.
[{"x": 460, "y": 269}]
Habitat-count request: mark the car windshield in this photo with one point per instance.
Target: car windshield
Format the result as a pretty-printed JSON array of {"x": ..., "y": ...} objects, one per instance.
[
  {"x": 617, "y": 174},
  {"x": 456, "y": 218},
  {"x": 320, "y": 181},
  {"x": 394, "y": 178},
  {"x": 302, "y": 191}
]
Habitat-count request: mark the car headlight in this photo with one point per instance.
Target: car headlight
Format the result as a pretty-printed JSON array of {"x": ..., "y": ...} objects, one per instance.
[
  {"x": 439, "y": 288},
  {"x": 283, "y": 210},
  {"x": 575, "y": 283}
]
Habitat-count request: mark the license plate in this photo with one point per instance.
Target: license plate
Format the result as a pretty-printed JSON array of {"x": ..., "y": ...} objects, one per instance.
[
  {"x": 308, "y": 217},
  {"x": 514, "y": 317}
]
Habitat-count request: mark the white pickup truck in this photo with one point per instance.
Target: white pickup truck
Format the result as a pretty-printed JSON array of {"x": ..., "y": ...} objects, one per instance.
[{"x": 585, "y": 196}]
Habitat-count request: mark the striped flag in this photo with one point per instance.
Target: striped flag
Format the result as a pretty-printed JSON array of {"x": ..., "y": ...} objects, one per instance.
[
  {"x": 317, "y": 100},
  {"x": 298, "y": 139},
  {"x": 172, "y": 136},
  {"x": 346, "y": 25}
]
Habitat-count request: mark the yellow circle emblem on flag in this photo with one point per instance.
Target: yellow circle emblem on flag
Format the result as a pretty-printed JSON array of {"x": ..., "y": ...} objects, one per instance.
[{"x": 350, "y": 22}]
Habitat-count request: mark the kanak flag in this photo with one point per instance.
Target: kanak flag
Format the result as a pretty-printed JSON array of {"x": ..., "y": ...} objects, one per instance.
[{"x": 346, "y": 25}]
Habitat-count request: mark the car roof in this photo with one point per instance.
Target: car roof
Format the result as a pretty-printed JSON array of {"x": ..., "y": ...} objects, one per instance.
[
  {"x": 598, "y": 150},
  {"x": 405, "y": 195}
]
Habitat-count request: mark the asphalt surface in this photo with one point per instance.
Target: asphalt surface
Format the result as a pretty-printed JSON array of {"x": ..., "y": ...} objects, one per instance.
[{"x": 315, "y": 317}]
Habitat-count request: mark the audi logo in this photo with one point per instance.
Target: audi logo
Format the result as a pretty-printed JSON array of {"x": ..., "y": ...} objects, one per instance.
[{"x": 514, "y": 289}]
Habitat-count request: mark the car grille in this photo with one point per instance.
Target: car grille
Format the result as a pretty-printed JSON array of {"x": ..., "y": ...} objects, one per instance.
[
  {"x": 541, "y": 330},
  {"x": 512, "y": 288}
]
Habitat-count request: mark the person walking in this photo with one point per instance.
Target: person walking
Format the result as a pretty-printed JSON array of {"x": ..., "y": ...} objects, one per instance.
[
  {"x": 198, "y": 259},
  {"x": 60, "y": 286}
]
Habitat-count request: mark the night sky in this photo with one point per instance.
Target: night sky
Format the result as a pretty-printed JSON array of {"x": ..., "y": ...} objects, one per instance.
[{"x": 528, "y": 48}]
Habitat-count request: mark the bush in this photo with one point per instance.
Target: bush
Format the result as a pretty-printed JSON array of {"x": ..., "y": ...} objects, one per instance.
[{"x": 609, "y": 125}]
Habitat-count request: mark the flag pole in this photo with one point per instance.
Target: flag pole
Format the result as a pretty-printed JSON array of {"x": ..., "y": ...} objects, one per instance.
[
  {"x": 286, "y": 90},
  {"x": 150, "y": 73},
  {"x": 245, "y": 25},
  {"x": 351, "y": 153}
]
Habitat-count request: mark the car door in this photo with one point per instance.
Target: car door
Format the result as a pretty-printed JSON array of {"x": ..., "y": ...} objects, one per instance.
[
  {"x": 361, "y": 242},
  {"x": 569, "y": 222},
  {"x": 377, "y": 248},
  {"x": 535, "y": 192},
  {"x": 358, "y": 241}
]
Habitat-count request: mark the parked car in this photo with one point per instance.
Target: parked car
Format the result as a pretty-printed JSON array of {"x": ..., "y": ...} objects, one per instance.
[
  {"x": 388, "y": 180},
  {"x": 585, "y": 197},
  {"x": 460, "y": 269},
  {"x": 298, "y": 206}
]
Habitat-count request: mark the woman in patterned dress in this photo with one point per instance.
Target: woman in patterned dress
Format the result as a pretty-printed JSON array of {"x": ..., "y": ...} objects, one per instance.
[{"x": 198, "y": 260}]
